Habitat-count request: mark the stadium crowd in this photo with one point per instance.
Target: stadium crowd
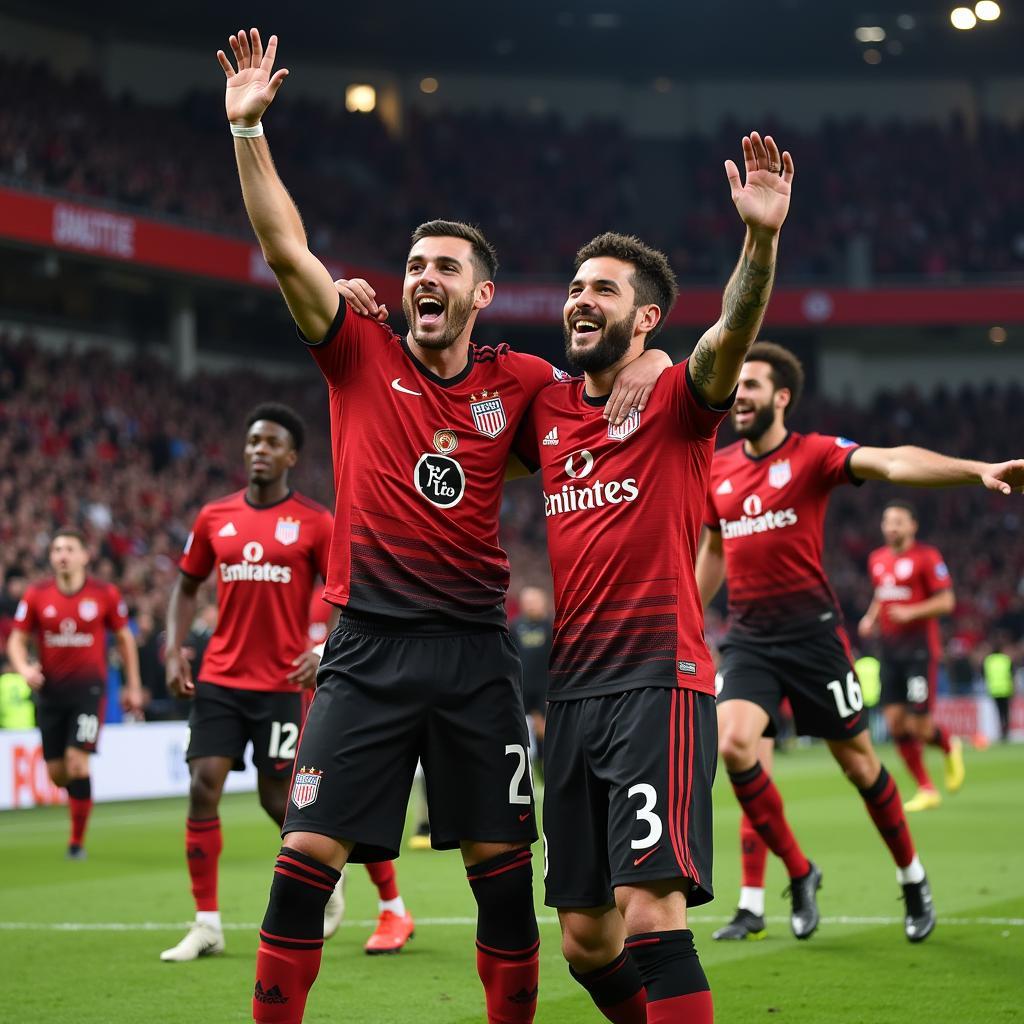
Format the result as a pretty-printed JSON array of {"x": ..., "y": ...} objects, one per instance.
[
  {"x": 128, "y": 454},
  {"x": 360, "y": 188}
]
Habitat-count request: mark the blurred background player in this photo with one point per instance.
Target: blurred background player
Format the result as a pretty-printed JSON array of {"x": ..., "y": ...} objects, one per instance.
[
  {"x": 997, "y": 669},
  {"x": 531, "y": 633},
  {"x": 395, "y": 925},
  {"x": 764, "y": 538},
  {"x": 69, "y": 619},
  {"x": 268, "y": 545},
  {"x": 912, "y": 589}
]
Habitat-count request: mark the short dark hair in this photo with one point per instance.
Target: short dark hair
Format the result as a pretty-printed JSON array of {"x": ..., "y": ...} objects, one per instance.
[
  {"x": 905, "y": 505},
  {"x": 69, "y": 531},
  {"x": 284, "y": 416},
  {"x": 654, "y": 280},
  {"x": 787, "y": 370},
  {"x": 485, "y": 256}
]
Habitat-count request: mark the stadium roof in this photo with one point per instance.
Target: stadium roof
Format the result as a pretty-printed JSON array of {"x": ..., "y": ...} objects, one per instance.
[{"x": 631, "y": 39}]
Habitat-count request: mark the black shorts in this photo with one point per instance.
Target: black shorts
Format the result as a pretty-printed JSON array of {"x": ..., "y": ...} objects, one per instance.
[
  {"x": 224, "y": 719},
  {"x": 908, "y": 678},
  {"x": 627, "y": 794},
  {"x": 386, "y": 699},
  {"x": 70, "y": 719},
  {"x": 815, "y": 673}
]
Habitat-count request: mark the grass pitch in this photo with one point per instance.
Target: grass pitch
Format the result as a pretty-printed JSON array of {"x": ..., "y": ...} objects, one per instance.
[{"x": 79, "y": 942}]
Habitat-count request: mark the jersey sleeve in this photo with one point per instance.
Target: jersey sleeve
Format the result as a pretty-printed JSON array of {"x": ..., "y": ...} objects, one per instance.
[
  {"x": 26, "y": 618},
  {"x": 711, "y": 520},
  {"x": 936, "y": 572},
  {"x": 351, "y": 341},
  {"x": 536, "y": 375},
  {"x": 698, "y": 417},
  {"x": 833, "y": 457},
  {"x": 198, "y": 557},
  {"x": 116, "y": 616},
  {"x": 322, "y": 551}
]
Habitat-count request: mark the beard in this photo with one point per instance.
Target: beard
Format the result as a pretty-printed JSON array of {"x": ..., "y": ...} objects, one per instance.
[
  {"x": 756, "y": 429},
  {"x": 457, "y": 314},
  {"x": 614, "y": 344}
]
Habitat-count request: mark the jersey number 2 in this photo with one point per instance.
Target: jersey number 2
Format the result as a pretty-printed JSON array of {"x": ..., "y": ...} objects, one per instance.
[{"x": 514, "y": 796}]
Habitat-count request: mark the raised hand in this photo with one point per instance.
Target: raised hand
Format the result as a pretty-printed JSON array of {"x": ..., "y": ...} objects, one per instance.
[
  {"x": 1005, "y": 477},
  {"x": 250, "y": 89},
  {"x": 763, "y": 199},
  {"x": 361, "y": 298}
]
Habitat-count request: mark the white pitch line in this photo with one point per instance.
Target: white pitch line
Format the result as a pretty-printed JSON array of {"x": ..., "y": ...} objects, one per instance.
[{"x": 160, "y": 926}]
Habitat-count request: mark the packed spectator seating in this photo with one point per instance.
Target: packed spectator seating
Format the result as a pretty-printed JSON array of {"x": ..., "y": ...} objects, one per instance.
[{"x": 868, "y": 201}]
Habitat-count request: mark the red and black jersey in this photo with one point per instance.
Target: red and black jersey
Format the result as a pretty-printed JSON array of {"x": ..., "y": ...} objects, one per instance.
[
  {"x": 70, "y": 631},
  {"x": 623, "y": 506},
  {"x": 419, "y": 463},
  {"x": 770, "y": 510},
  {"x": 908, "y": 577},
  {"x": 267, "y": 559}
]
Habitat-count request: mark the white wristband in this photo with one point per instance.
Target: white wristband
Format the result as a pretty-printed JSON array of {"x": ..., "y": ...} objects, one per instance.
[
  {"x": 318, "y": 650},
  {"x": 244, "y": 131}
]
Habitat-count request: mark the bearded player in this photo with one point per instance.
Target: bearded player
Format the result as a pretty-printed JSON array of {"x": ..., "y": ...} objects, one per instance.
[
  {"x": 268, "y": 546},
  {"x": 70, "y": 618},
  {"x": 912, "y": 589},
  {"x": 421, "y": 665},
  {"x": 765, "y": 516}
]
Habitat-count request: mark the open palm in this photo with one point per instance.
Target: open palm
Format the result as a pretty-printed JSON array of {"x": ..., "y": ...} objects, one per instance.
[
  {"x": 763, "y": 199},
  {"x": 252, "y": 88}
]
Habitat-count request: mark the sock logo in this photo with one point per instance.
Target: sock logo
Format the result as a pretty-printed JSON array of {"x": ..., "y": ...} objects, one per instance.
[
  {"x": 195, "y": 853},
  {"x": 524, "y": 996},
  {"x": 271, "y": 995}
]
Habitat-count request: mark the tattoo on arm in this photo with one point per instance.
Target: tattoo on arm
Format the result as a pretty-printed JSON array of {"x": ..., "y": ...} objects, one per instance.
[
  {"x": 702, "y": 362},
  {"x": 747, "y": 294}
]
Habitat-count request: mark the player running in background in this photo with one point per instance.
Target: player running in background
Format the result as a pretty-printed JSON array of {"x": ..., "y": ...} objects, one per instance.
[
  {"x": 395, "y": 925},
  {"x": 765, "y": 518},
  {"x": 268, "y": 546},
  {"x": 421, "y": 665},
  {"x": 912, "y": 589},
  {"x": 631, "y": 732},
  {"x": 69, "y": 618}
]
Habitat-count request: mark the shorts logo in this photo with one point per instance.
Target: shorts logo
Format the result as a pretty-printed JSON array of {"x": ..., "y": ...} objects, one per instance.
[
  {"x": 446, "y": 441},
  {"x": 488, "y": 414},
  {"x": 579, "y": 464},
  {"x": 779, "y": 473},
  {"x": 287, "y": 530},
  {"x": 306, "y": 787},
  {"x": 88, "y": 610},
  {"x": 440, "y": 480},
  {"x": 621, "y": 431}
]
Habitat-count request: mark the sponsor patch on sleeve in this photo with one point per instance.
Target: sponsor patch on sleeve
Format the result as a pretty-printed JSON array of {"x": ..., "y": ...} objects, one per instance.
[{"x": 845, "y": 442}]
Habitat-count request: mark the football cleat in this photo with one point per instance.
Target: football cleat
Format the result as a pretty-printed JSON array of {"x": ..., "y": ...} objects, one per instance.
[
  {"x": 955, "y": 765},
  {"x": 76, "y": 853},
  {"x": 335, "y": 909},
  {"x": 201, "y": 940},
  {"x": 803, "y": 893},
  {"x": 420, "y": 839},
  {"x": 744, "y": 925},
  {"x": 392, "y": 933},
  {"x": 920, "y": 920},
  {"x": 923, "y": 800}
]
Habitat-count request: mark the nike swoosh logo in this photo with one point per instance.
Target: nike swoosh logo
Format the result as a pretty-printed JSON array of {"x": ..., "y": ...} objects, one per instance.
[
  {"x": 639, "y": 860},
  {"x": 523, "y": 817},
  {"x": 279, "y": 766},
  {"x": 405, "y": 391}
]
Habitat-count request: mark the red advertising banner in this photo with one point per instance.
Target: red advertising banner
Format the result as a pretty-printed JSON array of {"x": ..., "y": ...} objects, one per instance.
[{"x": 27, "y": 217}]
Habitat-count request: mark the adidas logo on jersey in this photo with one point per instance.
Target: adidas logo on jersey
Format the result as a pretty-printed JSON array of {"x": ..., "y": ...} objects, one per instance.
[
  {"x": 227, "y": 530},
  {"x": 551, "y": 437},
  {"x": 725, "y": 487}
]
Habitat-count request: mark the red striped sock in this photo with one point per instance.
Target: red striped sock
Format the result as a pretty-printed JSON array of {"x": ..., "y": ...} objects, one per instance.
[
  {"x": 886, "y": 810},
  {"x": 203, "y": 843},
  {"x": 80, "y": 811},
  {"x": 940, "y": 739},
  {"x": 762, "y": 804},
  {"x": 911, "y": 751},
  {"x": 617, "y": 990},
  {"x": 382, "y": 874},
  {"x": 677, "y": 988},
  {"x": 753, "y": 854}
]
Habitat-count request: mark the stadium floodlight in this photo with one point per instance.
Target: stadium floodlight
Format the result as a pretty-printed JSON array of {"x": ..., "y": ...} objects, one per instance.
[
  {"x": 429, "y": 85},
  {"x": 997, "y": 335},
  {"x": 906, "y": 22},
  {"x": 872, "y": 56},
  {"x": 870, "y": 34},
  {"x": 987, "y": 10},
  {"x": 963, "y": 18},
  {"x": 360, "y": 98}
]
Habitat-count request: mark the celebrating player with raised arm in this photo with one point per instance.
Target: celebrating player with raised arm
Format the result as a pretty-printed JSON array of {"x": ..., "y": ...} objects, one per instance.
[
  {"x": 421, "y": 665},
  {"x": 268, "y": 545},
  {"x": 631, "y": 736},
  {"x": 69, "y": 618},
  {"x": 765, "y": 516},
  {"x": 912, "y": 589}
]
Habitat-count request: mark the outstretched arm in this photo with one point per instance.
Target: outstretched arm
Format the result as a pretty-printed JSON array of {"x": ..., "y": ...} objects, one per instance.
[
  {"x": 920, "y": 467},
  {"x": 305, "y": 282},
  {"x": 710, "y": 569},
  {"x": 762, "y": 202}
]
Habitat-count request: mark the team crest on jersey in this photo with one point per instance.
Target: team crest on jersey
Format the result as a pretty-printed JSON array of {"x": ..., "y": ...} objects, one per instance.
[
  {"x": 904, "y": 568},
  {"x": 306, "y": 786},
  {"x": 446, "y": 441},
  {"x": 49, "y": 612},
  {"x": 287, "y": 530},
  {"x": 488, "y": 413},
  {"x": 780, "y": 473},
  {"x": 88, "y": 610},
  {"x": 626, "y": 427}
]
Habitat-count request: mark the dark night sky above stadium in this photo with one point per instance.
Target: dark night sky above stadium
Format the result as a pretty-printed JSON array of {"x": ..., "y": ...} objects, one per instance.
[{"x": 631, "y": 39}]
